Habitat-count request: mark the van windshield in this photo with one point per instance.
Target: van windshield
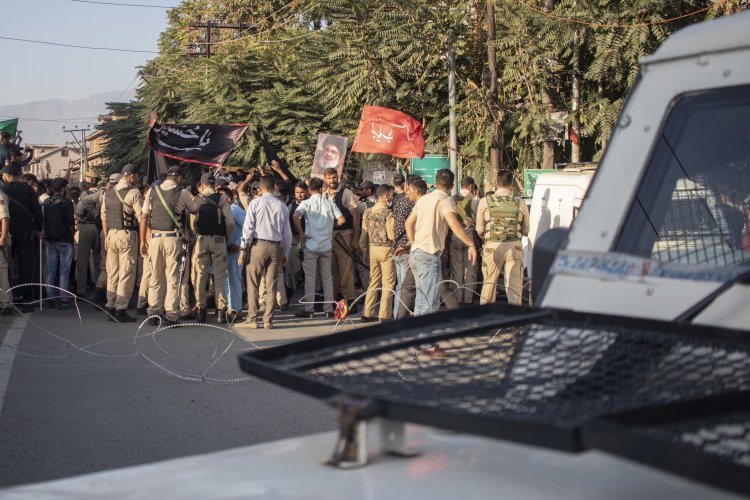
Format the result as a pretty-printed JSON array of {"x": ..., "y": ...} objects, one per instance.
[{"x": 693, "y": 204}]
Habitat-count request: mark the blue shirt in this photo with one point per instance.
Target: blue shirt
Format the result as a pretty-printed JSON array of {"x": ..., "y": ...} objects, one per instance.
[
  {"x": 267, "y": 218},
  {"x": 238, "y": 214}
]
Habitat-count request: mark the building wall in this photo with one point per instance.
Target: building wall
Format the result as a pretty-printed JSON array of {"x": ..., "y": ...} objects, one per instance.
[{"x": 58, "y": 163}]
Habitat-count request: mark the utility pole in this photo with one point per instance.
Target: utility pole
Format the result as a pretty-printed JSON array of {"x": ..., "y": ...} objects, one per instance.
[
  {"x": 210, "y": 25},
  {"x": 453, "y": 137},
  {"x": 84, "y": 149}
]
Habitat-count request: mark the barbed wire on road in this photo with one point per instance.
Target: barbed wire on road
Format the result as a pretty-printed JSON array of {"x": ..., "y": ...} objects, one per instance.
[{"x": 218, "y": 352}]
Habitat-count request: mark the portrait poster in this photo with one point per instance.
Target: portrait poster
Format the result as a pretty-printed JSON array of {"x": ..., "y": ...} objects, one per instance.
[{"x": 329, "y": 153}]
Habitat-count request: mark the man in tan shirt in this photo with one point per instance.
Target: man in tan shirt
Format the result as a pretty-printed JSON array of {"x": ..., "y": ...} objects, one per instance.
[
  {"x": 121, "y": 208},
  {"x": 427, "y": 228},
  {"x": 162, "y": 211},
  {"x": 502, "y": 219}
]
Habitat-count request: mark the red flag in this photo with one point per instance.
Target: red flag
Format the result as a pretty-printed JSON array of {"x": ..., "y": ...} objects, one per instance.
[
  {"x": 573, "y": 136},
  {"x": 383, "y": 130}
]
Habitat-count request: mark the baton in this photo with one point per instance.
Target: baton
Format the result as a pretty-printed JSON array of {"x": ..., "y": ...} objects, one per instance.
[
  {"x": 41, "y": 286},
  {"x": 183, "y": 262}
]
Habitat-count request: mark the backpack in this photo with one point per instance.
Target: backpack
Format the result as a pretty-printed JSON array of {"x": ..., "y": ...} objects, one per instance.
[{"x": 54, "y": 219}]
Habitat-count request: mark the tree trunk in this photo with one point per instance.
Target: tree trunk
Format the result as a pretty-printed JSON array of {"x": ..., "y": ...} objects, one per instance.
[
  {"x": 496, "y": 145},
  {"x": 548, "y": 147},
  {"x": 575, "y": 143}
]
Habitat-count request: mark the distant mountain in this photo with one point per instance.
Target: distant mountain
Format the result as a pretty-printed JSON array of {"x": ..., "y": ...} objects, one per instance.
[{"x": 60, "y": 113}]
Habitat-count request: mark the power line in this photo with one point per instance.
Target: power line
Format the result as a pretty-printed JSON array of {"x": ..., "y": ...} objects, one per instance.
[
  {"x": 59, "y": 120},
  {"x": 117, "y": 4},
  {"x": 88, "y": 47}
]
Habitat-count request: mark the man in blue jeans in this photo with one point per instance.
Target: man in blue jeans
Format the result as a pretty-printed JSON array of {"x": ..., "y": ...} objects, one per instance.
[
  {"x": 59, "y": 226},
  {"x": 427, "y": 228},
  {"x": 233, "y": 285}
]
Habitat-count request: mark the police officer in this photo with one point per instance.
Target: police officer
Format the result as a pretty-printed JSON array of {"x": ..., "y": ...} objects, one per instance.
[
  {"x": 26, "y": 226},
  {"x": 89, "y": 221},
  {"x": 212, "y": 224},
  {"x": 502, "y": 219},
  {"x": 462, "y": 271},
  {"x": 163, "y": 210},
  {"x": 120, "y": 212}
]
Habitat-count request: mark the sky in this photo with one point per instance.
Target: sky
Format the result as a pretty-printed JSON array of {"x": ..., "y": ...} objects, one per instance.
[{"x": 42, "y": 72}]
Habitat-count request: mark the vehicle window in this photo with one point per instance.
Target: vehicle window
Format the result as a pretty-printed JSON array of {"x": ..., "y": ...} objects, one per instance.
[{"x": 693, "y": 204}]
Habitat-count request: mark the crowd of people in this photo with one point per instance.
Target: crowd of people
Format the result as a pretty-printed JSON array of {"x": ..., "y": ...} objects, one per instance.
[{"x": 174, "y": 251}]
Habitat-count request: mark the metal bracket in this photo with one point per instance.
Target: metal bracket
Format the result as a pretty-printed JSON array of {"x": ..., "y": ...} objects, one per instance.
[{"x": 351, "y": 445}]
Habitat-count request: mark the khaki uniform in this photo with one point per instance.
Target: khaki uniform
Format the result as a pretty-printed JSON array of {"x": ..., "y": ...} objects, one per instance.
[
  {"x": 122, "y": 250},
  {"x": 211, "y": 251},
  {"x": 462, "y": 271},
  {"x": 5, "y": 295},
  {"x": 163, "y": 251},
  {"x": 502, "y": 256},
  {"x": 145, "y": 279}
]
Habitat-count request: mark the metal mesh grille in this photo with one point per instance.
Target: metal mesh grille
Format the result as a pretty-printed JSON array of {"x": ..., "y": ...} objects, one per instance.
[
  {"x": 545, "y": 371},
  {"x": 725, "y": 437},
  {"x": 699, "y": 229}
]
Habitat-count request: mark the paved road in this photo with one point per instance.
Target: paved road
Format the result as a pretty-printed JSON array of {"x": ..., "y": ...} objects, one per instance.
[{"x": 88, "y": 395}]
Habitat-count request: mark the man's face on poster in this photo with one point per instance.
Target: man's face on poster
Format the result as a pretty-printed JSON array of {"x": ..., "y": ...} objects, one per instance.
[
  {"x": 332, "y": 180},
  {"x": 330, "y": 157}
]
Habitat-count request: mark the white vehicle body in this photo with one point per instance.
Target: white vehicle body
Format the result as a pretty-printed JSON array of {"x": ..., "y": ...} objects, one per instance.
[
  {"x": 555, "y": 203},
  {"x": 711, "y": 55},
  {"x": 707, "y": 56}
]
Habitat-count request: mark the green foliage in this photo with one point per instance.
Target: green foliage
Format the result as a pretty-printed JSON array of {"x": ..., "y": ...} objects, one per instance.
[
  {"x": 126, "y": 137},
  {"x": 306, "y": 66}
]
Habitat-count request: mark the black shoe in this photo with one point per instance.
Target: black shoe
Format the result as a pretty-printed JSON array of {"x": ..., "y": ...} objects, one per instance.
[
  {"x": 111, "y": 311},
  {"x": 122, "y": 316},
  {"x": 201, "y": 316},
  {"x": 169, "y": 322},
  {"x": 141, "y": 311},
  {"x": 65, "y": 305},
  {"x": 368, "y": 319},
  {"x": 304, "y": 314},
  {"x": 284, "y": 307},
  {"x": 222, "y": 316},
  {"x": 354, "y": 309},
  {"x": 154, "y": 321},
  {"x": 101, "y": 296}
]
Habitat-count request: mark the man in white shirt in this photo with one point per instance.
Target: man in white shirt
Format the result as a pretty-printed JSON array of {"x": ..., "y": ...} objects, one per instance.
[
  {"x": 267, "y": 238},
  {"x": 319, "y": 215}
]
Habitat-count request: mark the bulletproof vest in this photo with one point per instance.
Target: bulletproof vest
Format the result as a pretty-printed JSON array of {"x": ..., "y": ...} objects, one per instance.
[
  {"x": 339, "y": 201},
  {"x": 209, "y": 221},
  {"x": 117, "y": 218},
  {"x": 160, "y": 219},
  {"x": 503, "y": 224},
  {"x": 90, "y": 213},
  {"x": 463, "y": 210}
]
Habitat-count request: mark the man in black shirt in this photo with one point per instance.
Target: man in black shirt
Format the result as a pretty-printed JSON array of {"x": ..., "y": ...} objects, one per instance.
[
  {"x": 25, "y": 229},
  {"x": 59, "y": 225}
]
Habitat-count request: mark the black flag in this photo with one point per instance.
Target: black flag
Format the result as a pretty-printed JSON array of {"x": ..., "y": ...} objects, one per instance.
[{"x": 197, "y": 143}]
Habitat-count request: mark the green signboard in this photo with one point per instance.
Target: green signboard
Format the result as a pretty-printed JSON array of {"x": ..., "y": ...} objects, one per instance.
[
  {"x": 530, "y": 175},
  {"x": 428, "y": 166}
]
